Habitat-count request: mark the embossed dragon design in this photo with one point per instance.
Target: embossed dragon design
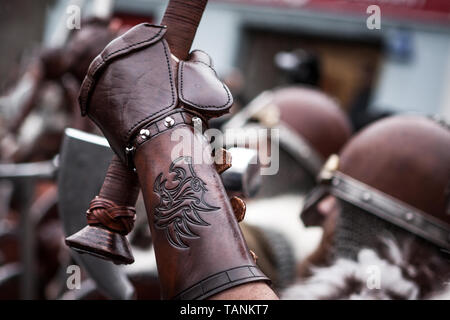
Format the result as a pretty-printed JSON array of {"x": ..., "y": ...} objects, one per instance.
[{"x": 182, "y": 204}]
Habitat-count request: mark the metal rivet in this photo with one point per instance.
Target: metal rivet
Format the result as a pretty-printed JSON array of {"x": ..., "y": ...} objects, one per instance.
[
  {"x": 196, "y": 121},
  {"x": 335, "y": 182},
  {"x": 129, "y": 149},
  {"x": 409, "y": 216},
  {"x": 145, "y": 133},
  {"x": 366, "y": 196},
  {"x": 169, "y": 122}
]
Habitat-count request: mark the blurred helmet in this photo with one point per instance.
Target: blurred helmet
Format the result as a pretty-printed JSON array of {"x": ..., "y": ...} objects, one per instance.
[
  {"x": 310, "y": 125},
  {"x": 394, "y": 175},
  {"x": 85, "y": 44},
  {"x": 82, "y": 47}
]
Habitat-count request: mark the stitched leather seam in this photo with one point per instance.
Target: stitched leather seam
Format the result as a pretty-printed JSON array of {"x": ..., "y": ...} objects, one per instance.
[
  {"x": 134, "y": 44},
  {"x": 104, "y": 60},
  {"x": 193, "y": 103},
  {"x": 199, "y": 50},
  {"x": 164, "y": 109}
]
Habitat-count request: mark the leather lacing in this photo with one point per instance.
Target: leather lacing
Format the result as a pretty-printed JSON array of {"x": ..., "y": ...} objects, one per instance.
[{"x": 108, "y": 214}]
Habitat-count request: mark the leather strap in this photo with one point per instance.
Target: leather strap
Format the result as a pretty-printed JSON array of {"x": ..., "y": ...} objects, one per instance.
[
  {"x": 162, "y": 124},
  {"x": 222, "y": 281},
  {"x": 106, "y": 213}
]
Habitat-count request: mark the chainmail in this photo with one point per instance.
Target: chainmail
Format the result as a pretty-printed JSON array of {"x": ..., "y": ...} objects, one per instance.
[
  {"x": 357, "y": 229},
  {"x": 291, "y": 178},
  {"x": 422, "y": 262}
]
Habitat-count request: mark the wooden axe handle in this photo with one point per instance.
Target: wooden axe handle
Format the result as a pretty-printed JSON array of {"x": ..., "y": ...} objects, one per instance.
[
  {"x": 182, "y": 19},
  {"x": 121, "y": 184}
]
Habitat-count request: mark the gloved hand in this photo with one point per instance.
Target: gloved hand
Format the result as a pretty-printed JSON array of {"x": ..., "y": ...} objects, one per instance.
[
  {"x": 137, "y": 93},
  {"x": 135, "y": 81}
]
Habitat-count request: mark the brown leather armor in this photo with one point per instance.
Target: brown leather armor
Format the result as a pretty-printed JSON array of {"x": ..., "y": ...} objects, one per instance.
[
  {"x": 138, "y": 93},
  {"x": 151, "y": 86}
]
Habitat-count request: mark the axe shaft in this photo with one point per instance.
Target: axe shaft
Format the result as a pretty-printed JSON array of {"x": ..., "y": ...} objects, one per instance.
[
  {"x": 121, "y": 184},
  {"x": 182, "y": 19}
]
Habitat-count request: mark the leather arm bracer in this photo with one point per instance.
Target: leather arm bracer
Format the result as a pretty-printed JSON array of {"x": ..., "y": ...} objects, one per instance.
[{"x": 138, "y": 94}]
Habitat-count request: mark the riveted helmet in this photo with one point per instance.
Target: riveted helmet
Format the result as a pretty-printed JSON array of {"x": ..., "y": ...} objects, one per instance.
[{"x": 397, "y": 170}]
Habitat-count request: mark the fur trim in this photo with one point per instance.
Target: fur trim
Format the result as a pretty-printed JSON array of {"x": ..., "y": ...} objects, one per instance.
[
  {"x": 389, "y": 273},
  {"x": 443, "y": 295},
  {"x": 370, "y": 277}
]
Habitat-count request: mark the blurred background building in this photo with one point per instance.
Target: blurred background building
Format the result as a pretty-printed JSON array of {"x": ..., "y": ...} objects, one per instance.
[{"x": 404, "y": 66}]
